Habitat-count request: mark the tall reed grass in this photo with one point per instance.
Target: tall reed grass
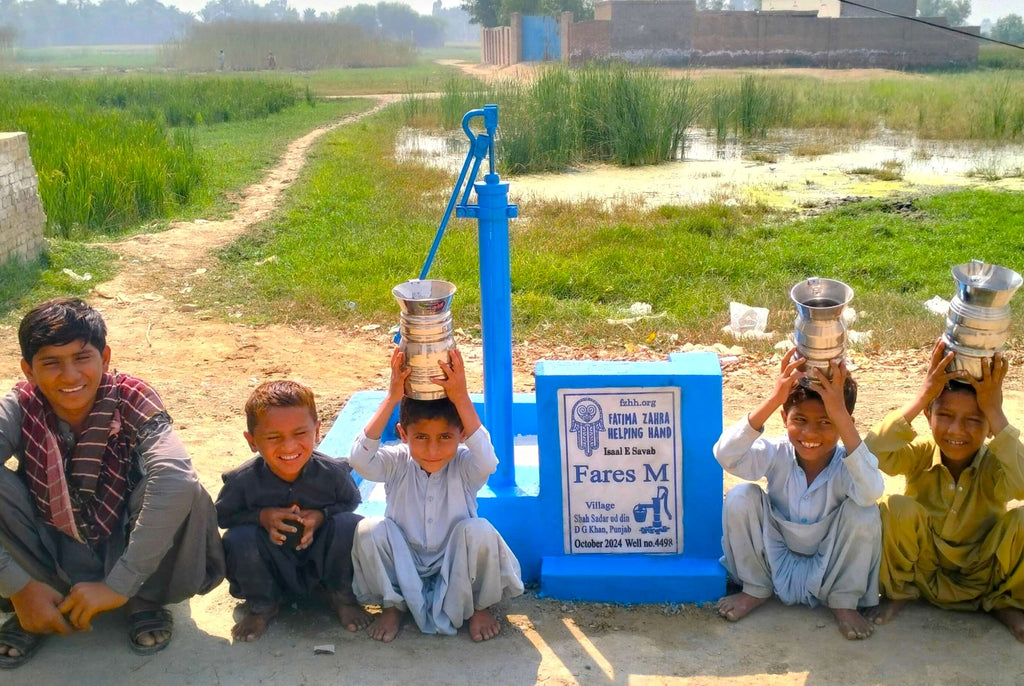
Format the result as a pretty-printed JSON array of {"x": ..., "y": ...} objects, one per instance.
[
  {"x": 173, "y": 100},
  {"x": 632, "y": 115},
  {"x": 625, "y": 115},
  {"x": 103, "y": 151},
  {"x": 296, "y": 46}
]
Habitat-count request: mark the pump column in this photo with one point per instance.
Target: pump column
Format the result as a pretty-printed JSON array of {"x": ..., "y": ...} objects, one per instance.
[{"x": 493, "y": 212}]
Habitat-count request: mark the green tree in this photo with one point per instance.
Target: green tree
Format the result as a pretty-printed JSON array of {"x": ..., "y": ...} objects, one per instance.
[
  {"x": 394, "y": 21},
  {"x": 7, "y": 35},
  {"x": 491, "y": 13},
  {"x": 483, "y": 12},
  {"x": 1010, "y": 29},
  {"x": 955, "y": 11}
]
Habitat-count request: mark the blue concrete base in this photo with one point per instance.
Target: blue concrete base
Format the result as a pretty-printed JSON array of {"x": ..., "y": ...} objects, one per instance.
[
  {"x": 524, "y": 500},
  {"x": 632, "y": 578}
]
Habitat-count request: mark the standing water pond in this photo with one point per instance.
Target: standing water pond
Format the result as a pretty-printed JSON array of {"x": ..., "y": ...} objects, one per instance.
[{"x": 793, "y": 169}]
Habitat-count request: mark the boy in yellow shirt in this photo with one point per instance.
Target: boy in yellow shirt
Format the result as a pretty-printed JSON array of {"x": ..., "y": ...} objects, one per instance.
[{"x": 950, "y": 538}]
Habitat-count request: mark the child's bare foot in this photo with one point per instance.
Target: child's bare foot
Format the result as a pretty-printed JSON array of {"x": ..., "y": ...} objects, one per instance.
[
  {"x": 253, "y": 624},
  {"x": 1013, "y": 619},
  {"x": 852, "y": 624},
  {"x": 483, "y": 626},
  {"x": 738, "y": 605},
  {"x": 387, "y": 624},
  {"x": 885, "y": 611},
  {"x": 352, "y": 617},
  {"x": 351, "y": 614}
]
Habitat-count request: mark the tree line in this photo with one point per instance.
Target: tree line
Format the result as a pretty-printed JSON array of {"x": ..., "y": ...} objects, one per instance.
[{"x": 44, "y": 23}]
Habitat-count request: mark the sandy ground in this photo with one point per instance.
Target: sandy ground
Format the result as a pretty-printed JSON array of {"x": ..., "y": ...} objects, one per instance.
[{"x": 205, "y": 367}]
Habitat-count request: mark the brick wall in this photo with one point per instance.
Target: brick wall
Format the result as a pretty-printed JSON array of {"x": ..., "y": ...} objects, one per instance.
[
  {"x": 675, "y": 33},
  {"x": 651, "y": 31},
  {"x": 588, "y": 40},
  {"x": 21, "y": 213}
]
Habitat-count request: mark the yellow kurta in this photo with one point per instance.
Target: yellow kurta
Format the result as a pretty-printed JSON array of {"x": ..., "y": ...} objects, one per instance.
[{"x": 952, "y": 543}]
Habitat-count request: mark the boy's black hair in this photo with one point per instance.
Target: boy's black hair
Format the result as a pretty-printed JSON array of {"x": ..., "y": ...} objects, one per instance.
[
  {"x": 800, "y": 393},
  {"x": 58, "y": 322},
  {"x": 411, "y": 411},
  {"x": 282, "y": 393}
]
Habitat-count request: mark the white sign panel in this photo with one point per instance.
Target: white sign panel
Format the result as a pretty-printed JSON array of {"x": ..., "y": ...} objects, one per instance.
[{"x": 621, "y": 465}]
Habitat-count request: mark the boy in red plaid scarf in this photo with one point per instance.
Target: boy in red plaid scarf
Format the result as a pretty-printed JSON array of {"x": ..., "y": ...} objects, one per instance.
[{"x": 105, "y": 508}]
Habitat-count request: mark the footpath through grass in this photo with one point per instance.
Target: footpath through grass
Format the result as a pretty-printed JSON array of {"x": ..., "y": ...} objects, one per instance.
[
  {"x": 234, "y": 155},
  {"x": 357, "y": 223}
]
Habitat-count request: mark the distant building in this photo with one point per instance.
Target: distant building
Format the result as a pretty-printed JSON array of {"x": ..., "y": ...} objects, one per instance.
[{"x": 835, "y": 8}]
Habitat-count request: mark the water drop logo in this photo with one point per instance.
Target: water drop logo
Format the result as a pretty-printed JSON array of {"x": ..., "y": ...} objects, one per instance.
[{"x": 587, "y": 424}]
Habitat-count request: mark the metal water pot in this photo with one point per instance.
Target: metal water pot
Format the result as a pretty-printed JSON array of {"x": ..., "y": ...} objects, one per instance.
[
  {"x": 427, "y": 333},
  {"x": 819, "y": 331},
  {"x": 978, "y": 320}
]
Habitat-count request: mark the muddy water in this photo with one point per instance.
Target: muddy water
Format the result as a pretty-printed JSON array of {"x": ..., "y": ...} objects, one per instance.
[{"x": 778, "y": 172}]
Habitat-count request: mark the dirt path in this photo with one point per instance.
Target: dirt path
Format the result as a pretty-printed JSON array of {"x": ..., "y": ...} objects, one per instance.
[{"x": 205, "y": 368}]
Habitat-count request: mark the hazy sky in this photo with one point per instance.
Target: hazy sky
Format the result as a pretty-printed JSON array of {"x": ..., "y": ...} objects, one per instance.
[{"x": 982, "y": 9}]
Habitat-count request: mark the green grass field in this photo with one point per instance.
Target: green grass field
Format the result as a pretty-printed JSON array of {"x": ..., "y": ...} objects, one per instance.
[
  {"x": 423, "y": 77},
  {"x": 575, "y": 266},
  {"x": 90, "y": 57}
]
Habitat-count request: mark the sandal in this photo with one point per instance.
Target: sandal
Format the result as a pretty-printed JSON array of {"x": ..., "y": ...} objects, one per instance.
[
  {"x": 148, "y": 621},
  {"x": 13, "y": 636}
]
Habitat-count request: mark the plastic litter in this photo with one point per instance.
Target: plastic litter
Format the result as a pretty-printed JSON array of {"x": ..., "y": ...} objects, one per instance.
[
  {"x": 937, "y": 305},
  {"x": 746, "y": 318},
  {"x": 639, "y": 309},
  {"x": 77, "y": 277}
]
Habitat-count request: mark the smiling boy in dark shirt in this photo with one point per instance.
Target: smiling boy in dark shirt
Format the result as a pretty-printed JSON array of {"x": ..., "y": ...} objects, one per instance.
[{"x": 288, "y": 513}]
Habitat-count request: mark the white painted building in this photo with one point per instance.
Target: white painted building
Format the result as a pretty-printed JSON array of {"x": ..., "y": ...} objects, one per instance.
[{"x": 834, "y": 8}]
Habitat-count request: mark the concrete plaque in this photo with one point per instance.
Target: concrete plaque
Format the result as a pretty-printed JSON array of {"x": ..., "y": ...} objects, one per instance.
[{"x": 622, "y": 459}]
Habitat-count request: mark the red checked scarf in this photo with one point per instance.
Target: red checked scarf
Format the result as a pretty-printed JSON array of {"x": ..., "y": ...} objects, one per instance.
[{"x": 84, "y": 497}]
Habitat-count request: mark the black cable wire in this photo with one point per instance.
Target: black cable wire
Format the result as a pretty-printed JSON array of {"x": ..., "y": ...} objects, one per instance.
[{"x": 951, "y": 29}]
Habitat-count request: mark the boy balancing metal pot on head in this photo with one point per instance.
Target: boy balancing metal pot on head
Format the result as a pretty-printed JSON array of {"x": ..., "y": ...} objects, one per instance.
[
  {"x": 105, "y": 509},
  {"x": 814, "y": 537},
  {"x": 950, "y": 539},
  {"x": 431, "y": 556}
]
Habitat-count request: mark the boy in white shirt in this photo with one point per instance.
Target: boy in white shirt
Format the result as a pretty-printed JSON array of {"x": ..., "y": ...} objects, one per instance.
[
  {"x": 431, "y": 556},
  {"x": 815, "y": 537}
]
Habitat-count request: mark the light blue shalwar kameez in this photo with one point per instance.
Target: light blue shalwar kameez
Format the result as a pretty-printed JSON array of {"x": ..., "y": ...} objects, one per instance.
[
  {"x": 808, "y": 544},
  {"x": 431, "y": 555}
]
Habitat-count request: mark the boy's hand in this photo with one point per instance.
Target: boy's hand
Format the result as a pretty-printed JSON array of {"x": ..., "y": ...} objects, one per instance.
[
  {"x": 88, "y": 599},
  {"x": 937, "y": 376},
  {"x": 279, "y": 522},
  {"x": 834, "y": 400},
  {"x": 454, "y": 385},
  {"x": 831, "y": 390},
  {"x": 311, "y": 520},
  {"x": 789, "y": 375},
  {"x": 454, "y": 380},
  {"x": 399, "y": 374},
  {"x": 934, "y": 381},
  {"x": 990, "y": 392},
  {"x": 396, "y": 391},
  {"x": 36, "y": 607}
]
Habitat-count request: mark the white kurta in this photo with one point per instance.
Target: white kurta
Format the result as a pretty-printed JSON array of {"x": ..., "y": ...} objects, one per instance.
[
  {"x": 431, "y": 555},
  {"x": 807, "y": 544}
]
